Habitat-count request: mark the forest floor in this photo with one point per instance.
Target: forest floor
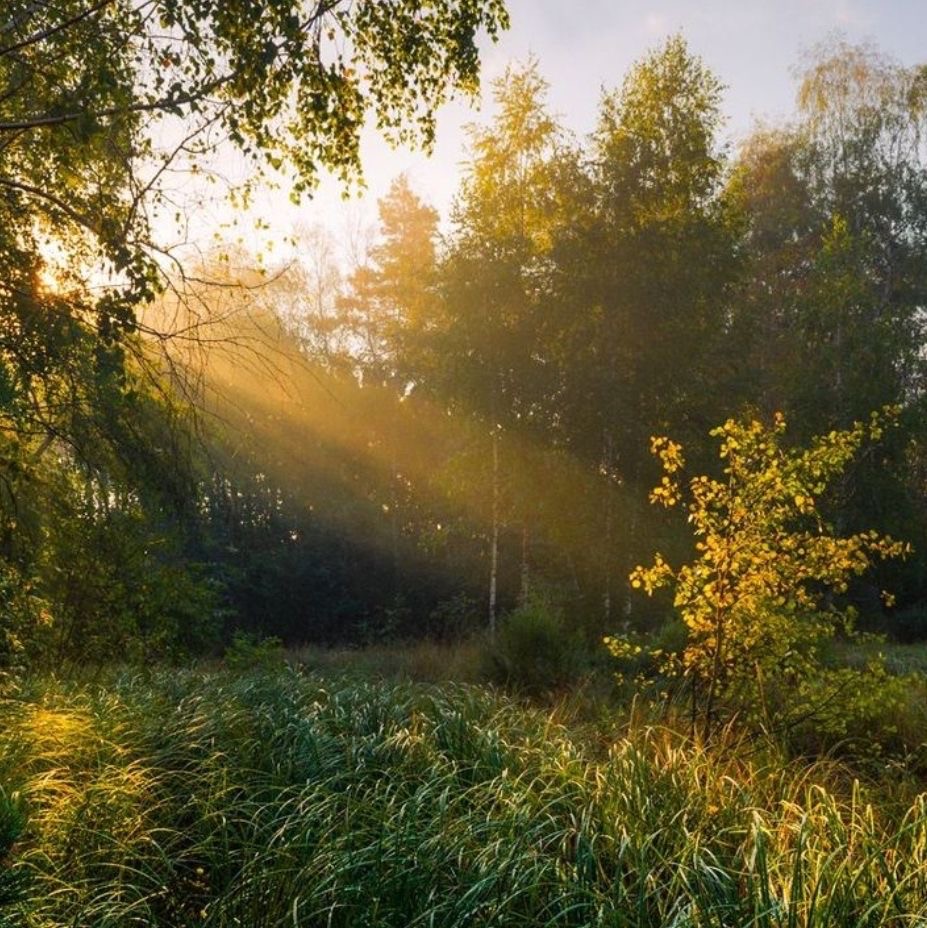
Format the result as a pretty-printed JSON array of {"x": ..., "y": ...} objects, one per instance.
[{"x": 340, "y": 794}]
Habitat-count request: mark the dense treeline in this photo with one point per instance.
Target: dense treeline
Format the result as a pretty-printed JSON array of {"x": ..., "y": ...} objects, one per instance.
[
  {"x": 109, "y": 113},
  {"x": 497, "y": 380},
  {"x": 461, "y": 421}
]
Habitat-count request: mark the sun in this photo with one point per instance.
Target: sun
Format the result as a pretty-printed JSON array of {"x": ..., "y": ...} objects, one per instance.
[
  {"x": 55, "y": 276},
  {"x": 50, "y": 282}
]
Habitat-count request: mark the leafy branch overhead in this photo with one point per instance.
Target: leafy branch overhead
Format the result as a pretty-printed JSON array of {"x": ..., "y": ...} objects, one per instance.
[
  {"x": 106, "y": 106},
  {"x": 286, "y": 81}
]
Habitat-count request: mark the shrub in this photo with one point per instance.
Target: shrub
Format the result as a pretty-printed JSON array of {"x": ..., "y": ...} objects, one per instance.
[
  {"x": 859, "y": 711},
  {"x": 22, "y": 616},
  {"x": 248, "y": 652},
  {"x": 454, "y": 618},
  {"x": 753, "y": 597},
  {"x": 534, "y": 649},
  {"x": 640, "y": 656}
]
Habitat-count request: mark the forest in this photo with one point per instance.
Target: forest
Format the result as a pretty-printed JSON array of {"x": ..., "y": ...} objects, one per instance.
[{"x": 557, "y": 559}]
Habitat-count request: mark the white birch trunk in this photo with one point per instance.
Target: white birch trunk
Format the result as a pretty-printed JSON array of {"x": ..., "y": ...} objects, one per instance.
[
  {"x": 494, "y": 544},
  {"x": 525, "y": 565}
]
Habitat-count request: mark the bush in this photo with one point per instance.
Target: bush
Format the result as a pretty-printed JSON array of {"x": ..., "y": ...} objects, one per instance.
[
  {"x": 756, "y": 598},
  {"x": 247, "y": 652},
  {"x": 455, "y": 618},
  {"x": 638, "y": 657},
  {"x": 22, "y": 616},
  {"x": 534, "y": 649},
  {"x": 857, "y": 711}
]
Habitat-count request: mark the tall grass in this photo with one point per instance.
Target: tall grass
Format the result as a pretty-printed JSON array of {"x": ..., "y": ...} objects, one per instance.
[{"x": 281, "y": 799}]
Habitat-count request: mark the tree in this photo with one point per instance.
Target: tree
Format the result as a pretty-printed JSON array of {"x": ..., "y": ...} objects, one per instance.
[
  {"x": 834, "y": 213},
  {"x": 828, "y": 314},
  {"x": 103, "y": 105},
  {"x": 498, "y": 255},
  {"x": 641, "y": 282},
  {"x": 757, "y": 598},
  {"x": 102, "y": 101},
  {"x": 305, "y": 295},
  {"x": 390, "y": 307},
  {"x": 491, "y": 358}
]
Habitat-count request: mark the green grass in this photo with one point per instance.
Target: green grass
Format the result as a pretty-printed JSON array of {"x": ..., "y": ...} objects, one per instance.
[
  {"x": 288, "y": 799},
  {"x": 899, "y": 658},
  {"x": 422, "y": 661}
]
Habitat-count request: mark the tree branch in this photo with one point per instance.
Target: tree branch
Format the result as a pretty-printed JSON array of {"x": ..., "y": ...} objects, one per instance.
[{"x": 47, "y": 33}]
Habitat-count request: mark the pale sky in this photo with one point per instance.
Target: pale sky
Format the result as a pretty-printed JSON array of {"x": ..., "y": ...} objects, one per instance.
[{"x": 585, "y": 45}]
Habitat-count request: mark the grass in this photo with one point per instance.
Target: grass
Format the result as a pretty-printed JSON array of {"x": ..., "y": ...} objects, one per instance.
[
  {"x": 282, "y": 798},
  {"x": 422, "y": 661},
  {"x": 899, "y": 658}
]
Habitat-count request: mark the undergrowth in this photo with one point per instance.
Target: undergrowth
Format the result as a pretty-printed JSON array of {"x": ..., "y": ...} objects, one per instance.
[{"x": 277, "y": 798}]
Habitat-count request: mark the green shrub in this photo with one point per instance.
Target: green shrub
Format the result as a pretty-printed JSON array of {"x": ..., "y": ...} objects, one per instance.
[
  {"x": 672, "y": 636},
  {"x": 455, "y": 618},
  {"x": 636, "y": 659},
  {"x": 860, "y": 711},
  {"x": 535, "y": 650},
  {"x": 23, "y": 615},
  {"x": 248, "y": 652}
]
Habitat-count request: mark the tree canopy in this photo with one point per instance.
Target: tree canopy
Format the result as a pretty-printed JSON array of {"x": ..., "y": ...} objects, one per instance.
[
  {"x": 103, "y": 102},
  {"x": 455, "y": 421}
]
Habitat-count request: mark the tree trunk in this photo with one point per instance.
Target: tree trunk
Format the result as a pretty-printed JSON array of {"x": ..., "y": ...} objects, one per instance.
[
  {"x": 633, "y": 523},
  {"x": 494, "y": 544},
  {"x": 394, "y": 516},
  {"x": 609, "y": 516},
  {"x": 525, "y": 566}
]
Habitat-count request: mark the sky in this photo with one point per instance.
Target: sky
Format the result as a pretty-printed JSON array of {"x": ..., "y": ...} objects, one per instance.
[{"x": 583, "y": 46}]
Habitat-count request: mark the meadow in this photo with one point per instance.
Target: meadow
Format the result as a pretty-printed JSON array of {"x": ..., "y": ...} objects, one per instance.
[{"x": 280, "y": 796}]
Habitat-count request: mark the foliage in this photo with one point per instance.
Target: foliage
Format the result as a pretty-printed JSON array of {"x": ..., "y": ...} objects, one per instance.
[
  {"x": 535, "y": 649},
  {"x": 855, "y": 710},
  {"x": 270, "y": 800},
  {"x": 658, "y": 203},
  {"x": 493, "y": 387},
  {"x": 22, "y": 617},
  {"x": 757, "y": 599},
  {"x": 247, "y": 652},
  {"x": 455, "y": 618},
  {"x": 13, "y": 881},
  {"x": 462, "y": 415},
  {"x": 114, "y": 582},
  {"x": 505, "y": 217},
  {"x": 498, "y": 382},
  {"x": 390, "y": 300},
  {"x": 287, "y": 89},
  {"x": 102, "y": 106}
]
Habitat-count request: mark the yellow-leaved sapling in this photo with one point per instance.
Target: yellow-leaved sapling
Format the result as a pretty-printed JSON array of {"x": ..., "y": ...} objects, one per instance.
[{"x": 760, "y": 599}]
